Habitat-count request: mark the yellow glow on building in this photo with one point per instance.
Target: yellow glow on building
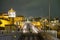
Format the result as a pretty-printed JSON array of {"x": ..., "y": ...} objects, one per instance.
[
  {"x": 37, "y": 24},
  {"x": 4, "y": 22},
  {"x": 5, "y": 16},
  {"x": 18, "y": 18},
  {"x": 1, "y": 16},
  {"x": 19, "y": 21},
  {"x": 21, "y": 24}
]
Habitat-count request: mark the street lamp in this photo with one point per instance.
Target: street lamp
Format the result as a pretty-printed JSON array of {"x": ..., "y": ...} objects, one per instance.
[{"x": 49, "y": 12}]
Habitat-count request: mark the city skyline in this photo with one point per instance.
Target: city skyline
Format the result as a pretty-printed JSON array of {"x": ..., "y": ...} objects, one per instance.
[{"x": 32, "y": 7}]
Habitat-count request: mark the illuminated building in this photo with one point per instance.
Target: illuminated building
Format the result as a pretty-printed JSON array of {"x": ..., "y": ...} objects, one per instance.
[
  {"x": 12, "y": 15},
  {"x": 19, "y": 20},
  {"x": 6, "y": 18},
  {"x": 37, "y": 24}
]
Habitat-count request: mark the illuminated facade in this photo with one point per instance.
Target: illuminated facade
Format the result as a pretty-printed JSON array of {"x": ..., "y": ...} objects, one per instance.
[
  {"x": 11, "y": 18},
  {"x": 6, "y": 18}
]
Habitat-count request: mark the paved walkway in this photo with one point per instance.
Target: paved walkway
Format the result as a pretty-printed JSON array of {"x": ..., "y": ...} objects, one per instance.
[{"x": 30, "y": 36}]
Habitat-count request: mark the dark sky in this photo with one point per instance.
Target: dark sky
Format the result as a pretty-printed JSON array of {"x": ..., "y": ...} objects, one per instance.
[{"x": 31, "y": 7}]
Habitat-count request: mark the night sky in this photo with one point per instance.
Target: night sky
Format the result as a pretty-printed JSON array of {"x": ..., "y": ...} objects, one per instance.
[{"x": 32, "y": 7}]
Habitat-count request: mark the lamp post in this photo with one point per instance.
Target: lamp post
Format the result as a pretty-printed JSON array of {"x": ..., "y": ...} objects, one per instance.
[
  {"x": 49, "y": 12},
  {"x": 12, "y": 15}
]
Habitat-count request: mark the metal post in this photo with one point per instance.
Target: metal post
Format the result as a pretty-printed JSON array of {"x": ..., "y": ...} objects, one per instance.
[{"x": 49, "y": 13}]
